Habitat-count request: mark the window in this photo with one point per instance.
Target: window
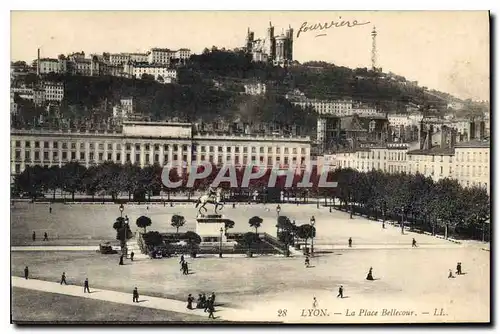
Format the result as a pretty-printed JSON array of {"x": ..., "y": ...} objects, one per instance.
[
  {"x": 269, "y": 160},
  {"x": 91, "y": 156},
  {"x": 219, "y": 149},
  {"x": 73, "y": 155},
  {"x": 229, "y": 149},
  {"x": 37, "y": 155},
  {"x": 261, "y": 150},
  {"x": 237, "y": 149},
  {"x": 269, "y": 150},
  {"x": 128, "y": 157},
  {"x": 137, "y": 147},
  {"x": 18, "y": 143},
  {"x": 176, "y": 147},
  {"x": 118, "y": 157},
  {"x": 278, "y": 150},
  {"x": 303, "y": 150},
  {"x": 18, "y": 168},
  {"x": 245, "y": 149},
  {"x": 184, "y": 147},
  {"x": 45, "y": 144},
  {"x": 210, "y": 148},
  {"x": 110, "y": 147},
  {"x": 82, "y": 156},
  {"x": 147, "y": 159},
  {"x": 82, "y": 146},
  {"x": 157, "y": 147},
  {"x": 175, "y": 157},
  {"x": 54, "y": 155},
  {"x": 110, "y": 156}
]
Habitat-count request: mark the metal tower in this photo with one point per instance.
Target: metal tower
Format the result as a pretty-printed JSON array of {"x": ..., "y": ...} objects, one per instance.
[{"x": 374, "y": 49}]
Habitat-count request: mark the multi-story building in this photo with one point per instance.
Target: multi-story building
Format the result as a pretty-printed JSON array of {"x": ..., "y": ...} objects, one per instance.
[
  {"x": 472, "y": 163},
  {"x": 165, "y": 56},
  {"x": 49, "y": 65},
  {"x": 127, "y": 105},
  {"x": 147, "y": 143},
  {"x": 403, "y": 120},
  {"x": 161, "y": 73},
  {"x": 365, "y": 110},
  {"x": 38, "y": 96},
  {"x": 24, "y": 92},
  {"x": 329, "y": 107},
  {"x": 123, "y": 58},
  {"x": 255, "y": 89},
  {"x": 54, "y": 91}
]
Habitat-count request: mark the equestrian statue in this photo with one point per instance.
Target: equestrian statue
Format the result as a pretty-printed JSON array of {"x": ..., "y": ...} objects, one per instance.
[{"x": 211, "y": 196}]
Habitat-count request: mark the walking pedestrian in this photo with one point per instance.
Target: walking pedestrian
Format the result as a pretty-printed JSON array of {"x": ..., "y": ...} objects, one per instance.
[
  {"x": 414, "y": 243},
  {"x": 45, "y": 237},
  {"x": 26, "y": 272},
  {"x": 182, "y": 259},
  {"x": 50, "y": 209},
  {"x": 204, "y": 302},
  {"x": 341, "y": 292},
  {"x": 34, "y": 236},
  {"x": 350, "y": 242},
  {"x": 121, "y": 260},
  {"x": 370, "y": 274},
  {"x": 190, "y": 302},
  {"x": 450, "y": 275},
  {"x": 459, "y": 268},
  {"x": 135, "y": 295},
  {"x": 86, "y": 286},
  {"x": 132, "y": 256},
  {"x": 212, "y": 298},
  {"x": 63, "y": 278},
  {"x": 306, "y": 262},
  {"x": 211, "y": 310}
]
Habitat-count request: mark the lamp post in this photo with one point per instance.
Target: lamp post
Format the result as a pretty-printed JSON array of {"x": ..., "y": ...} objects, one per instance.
[
  {"x": 402, "y": 220},
  {"x": 313, "y": 222},
  {"x": 121, "y": 210},
  {"x": 278, "y": 209},
  {"x": 220, "y": 245}
]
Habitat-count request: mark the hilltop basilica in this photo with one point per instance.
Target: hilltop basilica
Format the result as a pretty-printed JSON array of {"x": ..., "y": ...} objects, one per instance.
[{"x": 275, "y": 49}]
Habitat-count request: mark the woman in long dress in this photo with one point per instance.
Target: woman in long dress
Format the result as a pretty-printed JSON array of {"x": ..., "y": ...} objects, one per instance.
[{"x": 370, "y": 274}]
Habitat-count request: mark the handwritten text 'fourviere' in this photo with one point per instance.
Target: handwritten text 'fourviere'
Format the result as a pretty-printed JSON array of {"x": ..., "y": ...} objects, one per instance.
[{"x": 305, "y": 27}]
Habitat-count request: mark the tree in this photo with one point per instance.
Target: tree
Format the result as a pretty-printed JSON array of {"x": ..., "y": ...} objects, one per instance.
[
  {"x": 178, "y": 221},
  {"x": 193, "y": 241},
  {"x": 73, "y": 174},
  {"x": 306, "y": 231},
  {"x": 147, "y": 77},
  {"x": 255, "y": 222},
  {"x": 249, "y": 239},
  {"x": 143, "y": 222},
  {"x": 228, "y": 224},
  {"x": 152, "y": 239},
  {"x": 123, "y": 232}
]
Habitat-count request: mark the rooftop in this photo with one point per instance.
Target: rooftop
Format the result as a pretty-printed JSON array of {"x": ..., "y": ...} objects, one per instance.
[
  {"x": 434, "y": 151},
  {"x": 473, "y": 144}
]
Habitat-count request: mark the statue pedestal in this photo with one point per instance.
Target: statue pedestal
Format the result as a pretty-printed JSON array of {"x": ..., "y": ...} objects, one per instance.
[{"x": 208, "y": 227}]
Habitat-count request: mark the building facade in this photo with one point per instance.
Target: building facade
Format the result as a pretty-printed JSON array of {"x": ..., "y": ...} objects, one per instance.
[
  {"x": 255, "y": 89},
  {"x": 161, "y": 73},
  {"x": 148, "y": 143},
  {"x": 327, "y": 107},
  {"x": 54, "y": 91}
]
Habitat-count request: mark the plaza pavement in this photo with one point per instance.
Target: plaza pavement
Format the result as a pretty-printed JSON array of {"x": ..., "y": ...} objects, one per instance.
[{"x": 221, "y": 313}]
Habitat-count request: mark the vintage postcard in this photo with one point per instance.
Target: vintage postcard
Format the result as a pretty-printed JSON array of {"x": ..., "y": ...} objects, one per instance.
[{"x": 250, "y": 167}]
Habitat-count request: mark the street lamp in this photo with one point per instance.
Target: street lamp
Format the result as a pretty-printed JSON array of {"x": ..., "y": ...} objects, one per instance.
[
  {"x": 278, "y": 209},
  {"x": 220, "y": 246},
  {"x": 402, "y": 220},
  {"x": 121, "y": 210},
  {"x": 313, "y": 222}
]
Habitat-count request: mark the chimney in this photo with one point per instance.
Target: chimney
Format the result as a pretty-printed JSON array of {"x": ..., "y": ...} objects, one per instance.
[
  {"x": 38, "y": 62},
  {"x": 428, "y": 142},
  {"x": 421, "y": 135},
  {"x": 472, "y": 129},
  {"x": 482, "y": 130},
  {"x": 453, "y": 137},
  {"x": 444, "y": 136}
]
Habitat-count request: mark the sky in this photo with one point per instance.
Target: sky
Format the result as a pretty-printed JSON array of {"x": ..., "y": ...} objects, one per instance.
[{"x": 443, "y": 50}]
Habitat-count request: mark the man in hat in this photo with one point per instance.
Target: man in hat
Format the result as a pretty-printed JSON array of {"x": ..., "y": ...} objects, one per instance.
[{"x": 135, "y": 295}]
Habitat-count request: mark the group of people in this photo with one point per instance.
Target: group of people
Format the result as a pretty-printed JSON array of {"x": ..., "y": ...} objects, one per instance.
[
  {"x": 207, "y": 304},
  {"x": 45, "y": 236}
]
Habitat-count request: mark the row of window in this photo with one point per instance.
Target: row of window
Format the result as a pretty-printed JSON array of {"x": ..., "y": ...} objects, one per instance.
[{"x": 156, "y": 147}]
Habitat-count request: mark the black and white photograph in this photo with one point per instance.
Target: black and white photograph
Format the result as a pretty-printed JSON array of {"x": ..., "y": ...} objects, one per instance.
[{"x": 250, "y": 167}]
